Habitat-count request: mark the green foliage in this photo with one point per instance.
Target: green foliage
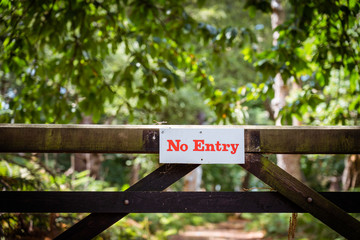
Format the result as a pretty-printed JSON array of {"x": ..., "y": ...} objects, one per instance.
[
  {"x": 156, "y": 226},
  {"x": 183, "y": 62},
  {"x": 321, "y": 170},
  {"x": 28, "y": 172},
  {"x": 276, "y": 225},
  {"x": 61, "y": 61},
  {"x": 310, "y": 226},
  {"x": 222, "y": 178},
  {"x": 186, "y": 107},
  {"x": 318, "y": 49},
  {"x": 53, "y": 56}
]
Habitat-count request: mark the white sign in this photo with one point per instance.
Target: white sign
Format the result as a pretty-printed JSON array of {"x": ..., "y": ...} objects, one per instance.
[{"x": 202, "y": 146}]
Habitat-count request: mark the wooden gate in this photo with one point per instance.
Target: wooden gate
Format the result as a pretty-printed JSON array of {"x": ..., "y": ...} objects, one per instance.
[{"x": 145, "y": 196}]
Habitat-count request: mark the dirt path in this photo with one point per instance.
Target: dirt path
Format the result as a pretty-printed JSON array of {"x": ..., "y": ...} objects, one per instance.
[{"x": 233, "y": 229}]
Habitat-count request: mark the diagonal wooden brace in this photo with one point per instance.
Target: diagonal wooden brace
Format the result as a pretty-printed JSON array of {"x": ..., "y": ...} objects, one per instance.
[
  {"x": 303, "y": 196},
  {"x": 159, "y": 180}
]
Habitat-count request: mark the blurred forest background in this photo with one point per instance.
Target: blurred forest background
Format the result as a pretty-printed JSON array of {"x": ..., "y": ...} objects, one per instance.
[{"x": 254, "y": 62}]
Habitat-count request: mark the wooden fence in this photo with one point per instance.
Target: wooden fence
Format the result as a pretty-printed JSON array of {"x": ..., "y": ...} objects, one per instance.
[{"x": 145, "y": 196}]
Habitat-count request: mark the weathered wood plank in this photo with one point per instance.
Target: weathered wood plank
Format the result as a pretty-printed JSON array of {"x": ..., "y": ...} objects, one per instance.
[
  {"x": 303, "y": 196},
  {"x": 145, "y": 138},
  {"x": 162, "y": 202},
  {"x": 159, "y": 180},
  {"x": 77, "y": 138}
]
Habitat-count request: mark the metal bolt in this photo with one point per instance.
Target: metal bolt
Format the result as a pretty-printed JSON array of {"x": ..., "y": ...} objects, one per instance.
[
  {"x": 309, "y": 200},
  {"x": 126, "y": 202}
]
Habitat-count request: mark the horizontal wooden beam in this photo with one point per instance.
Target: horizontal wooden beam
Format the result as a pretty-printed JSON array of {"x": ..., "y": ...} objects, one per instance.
[
  {"x": 145, "y": 138},
  {"x": 162, "y": 202}
]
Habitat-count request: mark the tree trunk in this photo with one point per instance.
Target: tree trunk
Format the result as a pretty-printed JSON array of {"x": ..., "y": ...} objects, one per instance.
[
  {"x": 351, "y": 174},
  {"x": 246, "y": 181},
  {"x": 135, "y": 170},
  {"x": 193, "y": 180},
  {"x": 288, "y": 162},
  {"x": 88, "y": 161}
]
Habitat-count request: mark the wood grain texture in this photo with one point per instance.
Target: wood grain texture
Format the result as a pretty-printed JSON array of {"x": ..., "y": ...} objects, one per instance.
[
  {"x": 145, "y": 138},
  {"x": 159, "y": 180},
  {"x": 303, "y": 196},
  {"x": 162, "y": 202}
]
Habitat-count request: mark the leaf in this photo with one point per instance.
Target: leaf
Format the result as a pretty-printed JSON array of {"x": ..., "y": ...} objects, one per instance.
[
  {"x": 355, "y": 104},
  {"x": 6, "y": 42},
  {"x": 200, "y": 3},
  {"x": 354, "y": 82}
]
